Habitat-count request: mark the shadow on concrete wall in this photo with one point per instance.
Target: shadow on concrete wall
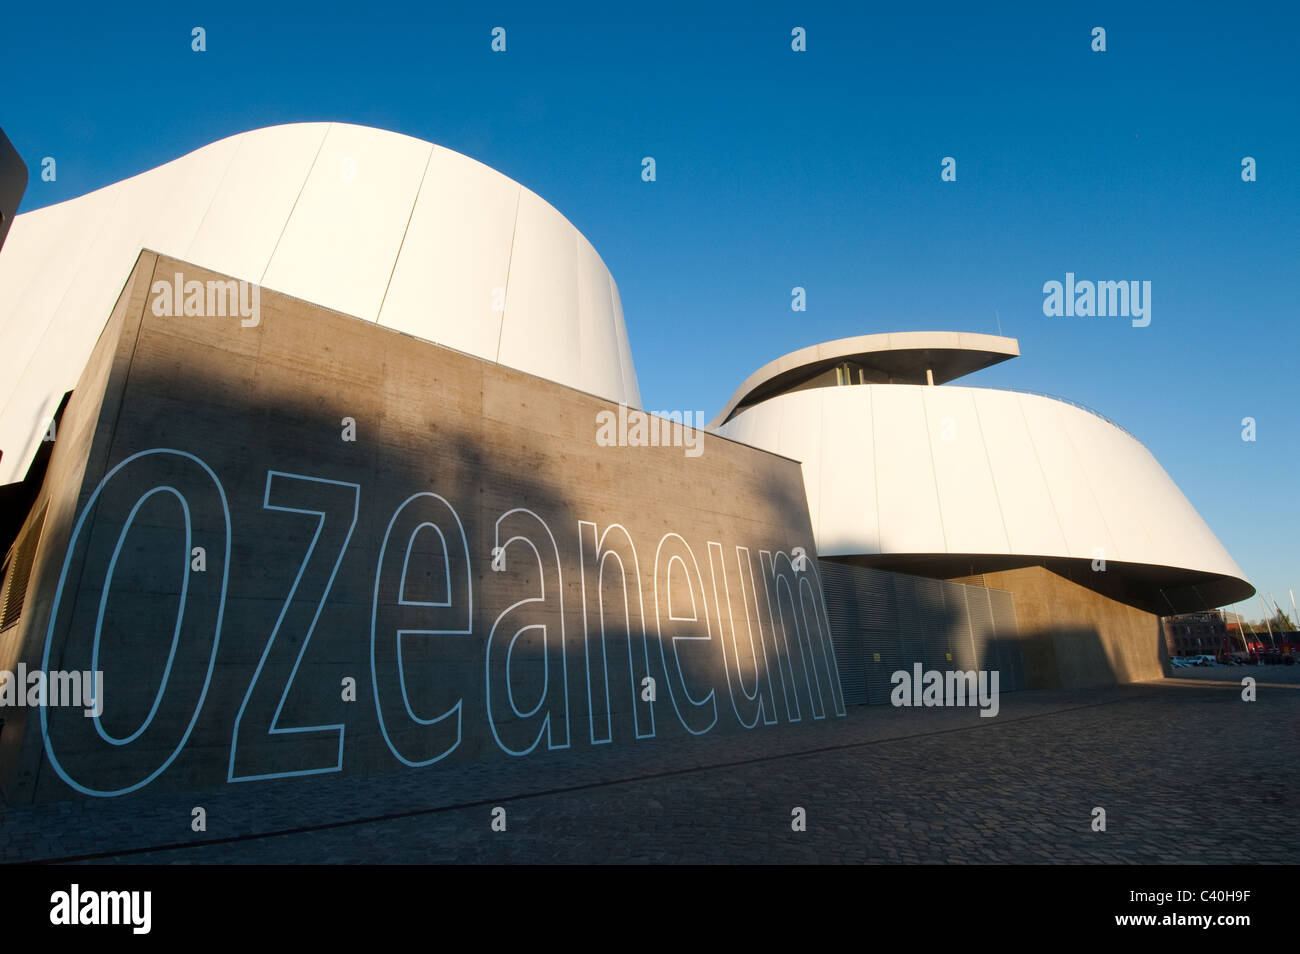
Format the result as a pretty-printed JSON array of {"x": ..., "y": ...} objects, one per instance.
[
  {"x": 1066, "y": 657},
  {"x": 277, "y": 705}
]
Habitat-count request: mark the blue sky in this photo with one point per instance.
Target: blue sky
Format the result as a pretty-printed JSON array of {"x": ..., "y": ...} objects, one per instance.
[{"x": 819, "y": 169}]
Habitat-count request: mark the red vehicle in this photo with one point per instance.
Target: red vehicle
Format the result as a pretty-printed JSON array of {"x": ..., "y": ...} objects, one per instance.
[
  {"x": 1255, "y": 648},
  {"x": 1247, "y": 649}
]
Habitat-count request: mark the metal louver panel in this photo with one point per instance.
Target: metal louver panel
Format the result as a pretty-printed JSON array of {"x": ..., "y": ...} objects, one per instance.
[
  {"x": 984, "y": 639},
  {"x": 18, "y": 573},
  {"x": 960, "y": 644},
  {"x": 1008, "y": 635},
  {"x": 882, "y": 622},
  {"x": 842, "y": 610}
]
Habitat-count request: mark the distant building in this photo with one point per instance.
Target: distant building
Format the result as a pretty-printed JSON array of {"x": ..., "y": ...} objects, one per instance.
[{"x": 1195, "y": 634}]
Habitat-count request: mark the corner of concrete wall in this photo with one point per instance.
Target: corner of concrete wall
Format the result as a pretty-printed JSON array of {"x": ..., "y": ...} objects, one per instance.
[
  {"x": 1073, "y": 637},
  {"x": 81, "y": 446}
]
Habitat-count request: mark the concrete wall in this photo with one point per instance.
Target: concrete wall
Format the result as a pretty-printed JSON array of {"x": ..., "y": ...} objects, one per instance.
[
  {"x": 308, "y": 544},
  {"x": 82, "y": 440},
  {"x": 1072, "y": 636}
]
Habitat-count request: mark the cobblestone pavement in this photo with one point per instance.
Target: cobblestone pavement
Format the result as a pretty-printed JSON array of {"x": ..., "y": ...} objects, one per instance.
[{"x": 1186, "y": 771}]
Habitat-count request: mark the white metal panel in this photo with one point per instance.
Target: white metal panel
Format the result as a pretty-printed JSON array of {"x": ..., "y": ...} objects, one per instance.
[
  {"x": 800, "y": 438},
  {"x": 1028, "y": 514},
  {"x": 318, "y": 211},
  {"x": 742, "y": 428},
  {"x": 159, "y": 210},
  {"x": 60, "y": 252},
  {"x": 761, "y": 429},
  {"x": 32, "y": 275},
  {"x": 1086, "y": 534},
  {"x": 450, "y": 279},
  {"x": 968, "y": 500},
  {"x": 45, "y": 252},
  {"x": 1141, "y": 500},
  {"x": 631, "y": 392},
  {"x": 248, "y": 213},
  {"x": 1036, "y": 458},
  {"x": 340, "y": 244},
  {"x": 42, "y": 258},
  {"x": 847, "y": 520},
  {"x": 540, "y": 332},
  {"x": 908, "y": 500},
  {"x": 598, "y": 337},
  {"x": 1182, "y": 532},
  {"x": 1118, "y": 470}
]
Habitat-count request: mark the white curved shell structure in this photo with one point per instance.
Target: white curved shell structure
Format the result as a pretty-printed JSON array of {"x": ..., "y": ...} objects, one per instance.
[
  {"x": 901, "y": 470},
  {"x": 371, "y": 223}
]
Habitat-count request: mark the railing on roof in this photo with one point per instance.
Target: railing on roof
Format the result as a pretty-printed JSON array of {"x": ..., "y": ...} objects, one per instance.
[{"x": 1083, "y": 407}]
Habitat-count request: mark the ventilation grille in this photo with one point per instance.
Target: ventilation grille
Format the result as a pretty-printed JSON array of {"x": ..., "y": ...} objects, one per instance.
[
  {"x": 17, "y": 571},
  {"x": 882, "y": 622}
]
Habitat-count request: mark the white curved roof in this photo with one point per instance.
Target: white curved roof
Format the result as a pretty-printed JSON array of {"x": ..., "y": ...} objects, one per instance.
[
  {"x": 907, "y": 469},
  {"x": 902, "y": 354},
  {"x": 374, "y": 224}
]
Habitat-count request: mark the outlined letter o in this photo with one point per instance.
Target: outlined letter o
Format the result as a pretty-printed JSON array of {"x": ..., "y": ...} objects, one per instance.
[{"x": 174, "y": 649}]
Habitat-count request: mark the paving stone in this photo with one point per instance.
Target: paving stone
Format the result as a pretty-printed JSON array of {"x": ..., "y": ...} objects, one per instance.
[{"x": 879, "y": 786}]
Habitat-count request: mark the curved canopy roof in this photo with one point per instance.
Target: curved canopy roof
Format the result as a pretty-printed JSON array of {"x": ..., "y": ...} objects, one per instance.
[
  {"x": 370, "y": 223},
  {"x": 895, "y": 358}
]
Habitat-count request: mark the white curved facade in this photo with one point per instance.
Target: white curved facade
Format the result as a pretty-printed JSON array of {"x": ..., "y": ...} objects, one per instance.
[
  {"x": 908, "y": 469},
  {"x": 374, "y": 224}
]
